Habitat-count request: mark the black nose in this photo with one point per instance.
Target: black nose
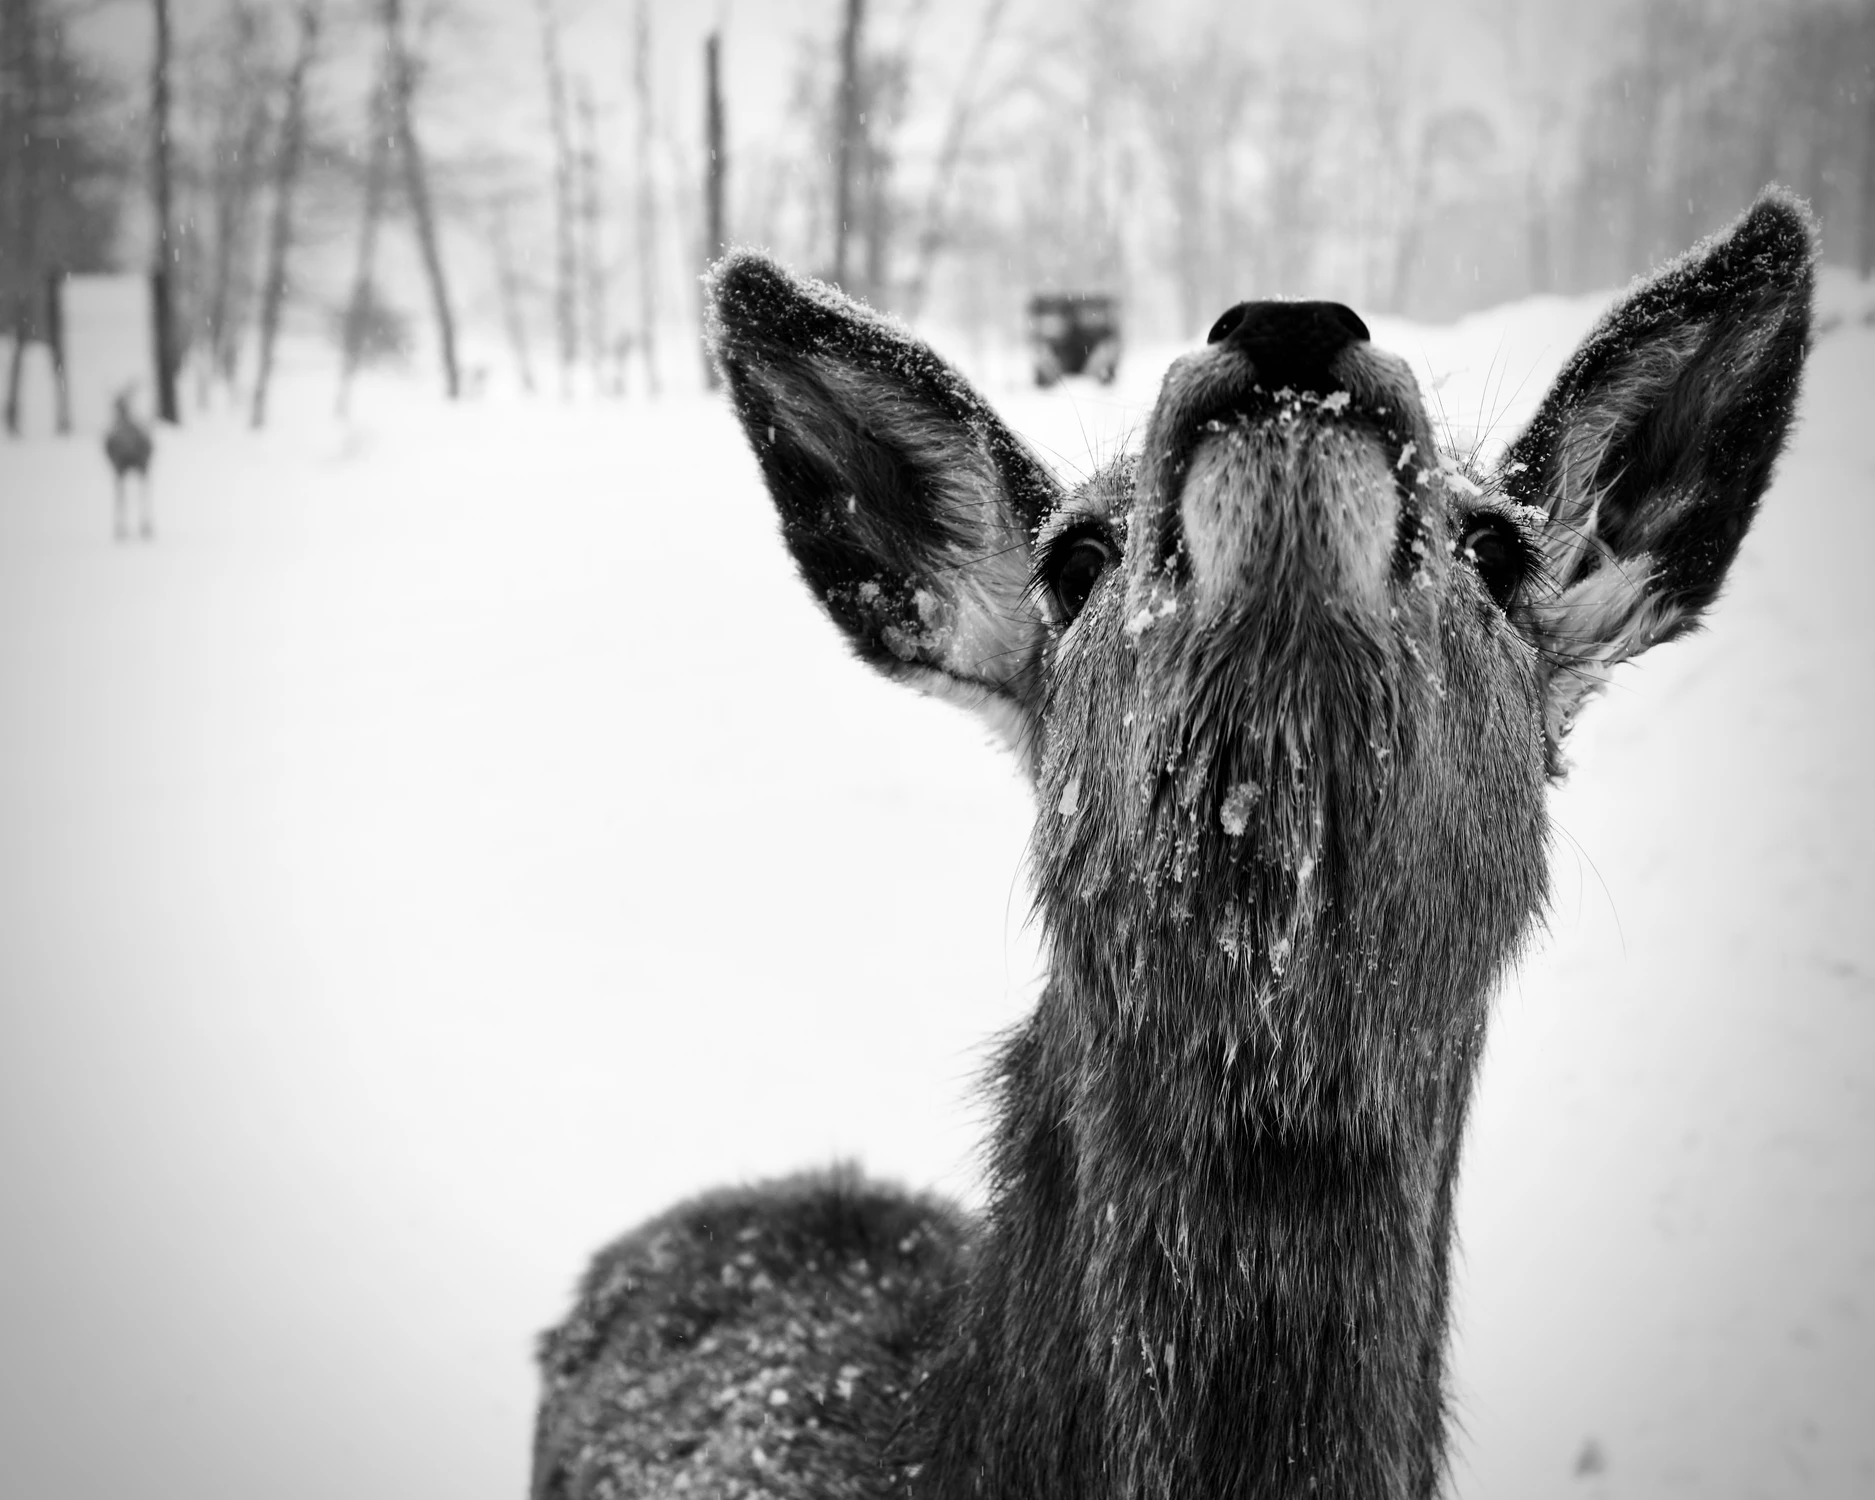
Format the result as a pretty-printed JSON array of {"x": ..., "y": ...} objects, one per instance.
[{"x": 1290, "y": 343}]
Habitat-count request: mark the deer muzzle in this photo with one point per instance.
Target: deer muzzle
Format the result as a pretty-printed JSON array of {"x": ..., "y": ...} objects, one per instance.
[{"x": 1278, "y": 464}]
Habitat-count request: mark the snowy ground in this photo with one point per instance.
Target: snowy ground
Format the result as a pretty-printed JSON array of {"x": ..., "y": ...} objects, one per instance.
[{"x": 458, "y": 835}]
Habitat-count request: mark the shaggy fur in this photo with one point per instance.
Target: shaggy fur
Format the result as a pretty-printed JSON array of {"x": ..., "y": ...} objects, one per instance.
[
  {"x": 756, "y": 1343},
  {"x": 1291, "y": 689}
]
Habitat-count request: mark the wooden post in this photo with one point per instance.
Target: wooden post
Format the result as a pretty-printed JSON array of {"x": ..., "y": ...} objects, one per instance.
[{"x": 714, "y": 241}]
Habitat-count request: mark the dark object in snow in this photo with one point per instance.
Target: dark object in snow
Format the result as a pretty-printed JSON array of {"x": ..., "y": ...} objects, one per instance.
[
  {"x": 1591, "y": 1460},
  {"x": 129, "y": 448},
  {"x": 1291, "y": 689},
  {"x": 1074, "y": 333}
]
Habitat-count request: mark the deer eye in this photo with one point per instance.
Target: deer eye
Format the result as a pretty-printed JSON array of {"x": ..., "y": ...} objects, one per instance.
[
  {"x": 1073, "y": 567},
  {"x": 1492, "y": 546}
]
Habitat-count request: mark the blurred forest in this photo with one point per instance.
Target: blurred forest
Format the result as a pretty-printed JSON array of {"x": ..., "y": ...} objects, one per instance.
[{"x": 525, "y": 190}]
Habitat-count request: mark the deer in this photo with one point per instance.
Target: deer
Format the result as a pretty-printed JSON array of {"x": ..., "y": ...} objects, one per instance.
[
  {"x": 1291, "y": 683},
  {"x": 129, "y": 448}
]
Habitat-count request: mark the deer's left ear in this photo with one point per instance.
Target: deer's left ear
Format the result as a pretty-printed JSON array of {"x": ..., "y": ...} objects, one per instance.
[{"x": 1650, "y": 453}]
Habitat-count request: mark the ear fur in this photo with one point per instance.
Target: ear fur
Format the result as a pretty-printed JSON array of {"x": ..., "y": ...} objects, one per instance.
[
  {"x": 908, "y": 505},
  {"x": 1652, "y": 449}
]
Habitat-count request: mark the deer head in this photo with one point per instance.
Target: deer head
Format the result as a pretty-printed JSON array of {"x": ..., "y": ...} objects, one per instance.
[{"x": 1290, "y": 682}]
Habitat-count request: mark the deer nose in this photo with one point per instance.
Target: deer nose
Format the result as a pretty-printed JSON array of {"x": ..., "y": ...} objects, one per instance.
[{"x": 1290, "y": 343}]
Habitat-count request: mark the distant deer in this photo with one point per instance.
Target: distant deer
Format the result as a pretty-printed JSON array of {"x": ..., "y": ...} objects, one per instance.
[
  {"x": 129, "y": 448},
  {"x": 1290, "y": 686}
]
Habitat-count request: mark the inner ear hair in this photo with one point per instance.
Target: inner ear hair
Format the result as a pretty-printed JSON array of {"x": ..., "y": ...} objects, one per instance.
[{"x": 1610, "y": 615}]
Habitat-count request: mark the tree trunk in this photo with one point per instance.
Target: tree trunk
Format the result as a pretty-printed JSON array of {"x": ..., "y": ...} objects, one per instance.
[
  {"x": 1644, "y": 199},
  {"x": 16, "y": 360},
  {"x": 285, "y": 180},
  {"x": 508, "y": 287},
  {"x": 1865, "y": 238},
  {"x": 377, "y": 167},
  {"x": 417, "y": 192},
  {"x": 645, "y": 197},
  {"x": 1536, "y": 230},
  {"x": 592, "y": 237},
  {"x": 241, "y": 136},
  {"x": 931, "y": 229},
  {"x": 232, "y": 289},
  {"x": 876, "y": 215},
  {"x": 846, "y": 141},
  {"x": 1418, "y": 210},
  {"x": 565, "y": 260},
  {"x": 162, "y": 310},
  {"x": 19, "y": 228},
  {"x": 55, "y": 346},
  {"x": 713, "y": 233}
]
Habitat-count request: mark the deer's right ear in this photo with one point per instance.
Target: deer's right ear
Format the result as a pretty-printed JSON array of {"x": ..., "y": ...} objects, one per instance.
[{"x": 909, "y": 507}]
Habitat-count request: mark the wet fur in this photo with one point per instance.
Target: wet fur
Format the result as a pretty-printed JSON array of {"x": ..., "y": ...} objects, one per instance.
[{"x": 1290, "y": 764}]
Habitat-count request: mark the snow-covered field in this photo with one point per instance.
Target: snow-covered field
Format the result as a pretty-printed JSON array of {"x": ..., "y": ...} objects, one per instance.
[{"x": 458, "y": 835}]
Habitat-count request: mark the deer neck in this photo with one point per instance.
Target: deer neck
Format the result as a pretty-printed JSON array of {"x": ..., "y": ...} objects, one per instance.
[
  {"x": 1215, "y": 1258},
  {"x": 1203, "y": 1274}
]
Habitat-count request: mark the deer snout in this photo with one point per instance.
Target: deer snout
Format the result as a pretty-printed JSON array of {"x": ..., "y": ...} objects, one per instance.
[{"x": 1268, "y": 471}]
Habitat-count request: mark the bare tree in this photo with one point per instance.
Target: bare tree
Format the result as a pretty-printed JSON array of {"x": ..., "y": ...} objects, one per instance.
[
  {"x": 846, "y": 149},
  {"x": 715, "y": 236},
  {"x": 1451, "y": 140},
  {"x": 240, "y": 122},
  {"x": 565, "y": 190},
  {"x": 591, "y": 207},
  {"x": 932, "y": 223},
  {"x": 1109, "y": 80},
  {"x": 402, "y": 92},
  {"x": 377, "y": 171},
  {"x": 1533, "y": 44},
  {"x": 1865, "y": 225},
  {"x": 1289, "y": 219},
  {"x": 1377, "y": 155},
  {"x": 644, "y": 216},
  {"x": 1696, "y": 106},
  {"x": 285, "y": 180},
  {"x": 1211, "y": 82},
  {"x": 885, "y": 87},
  {"x": 508, "y": 289},
  {"x": 163, "y": 275},
  {"x": 58, "y": 196}
]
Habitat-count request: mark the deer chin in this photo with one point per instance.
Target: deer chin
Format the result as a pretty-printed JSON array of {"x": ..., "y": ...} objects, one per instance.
[{"x": 1230, "y": 777}]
